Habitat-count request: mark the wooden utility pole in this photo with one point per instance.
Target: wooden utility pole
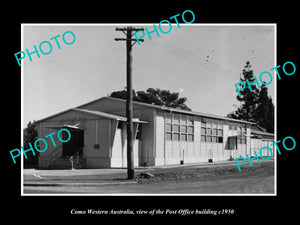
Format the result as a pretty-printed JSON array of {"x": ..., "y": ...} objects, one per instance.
[{"x": 128, "y": 32}]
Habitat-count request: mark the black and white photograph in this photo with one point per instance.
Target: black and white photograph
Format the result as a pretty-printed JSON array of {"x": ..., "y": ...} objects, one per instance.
[
  {"x": 192, "y": 130},
  {"x": 142, "y": 111}
]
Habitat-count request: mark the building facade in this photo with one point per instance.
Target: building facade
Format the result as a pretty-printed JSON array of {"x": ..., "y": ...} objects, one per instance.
[{"x": 163, "y": 136}]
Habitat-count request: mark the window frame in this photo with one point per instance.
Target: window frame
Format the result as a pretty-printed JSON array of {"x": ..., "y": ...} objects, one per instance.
[
  {"x": 212, "y": 132},
  {"x": 181, "y": 126}
]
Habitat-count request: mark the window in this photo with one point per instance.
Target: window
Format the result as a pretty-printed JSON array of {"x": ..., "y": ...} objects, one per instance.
[
  {"x": 190, "y": 137},
  {"x": 242, "y": 140},
  {"x": 190, "y": 129},
  {"x": 233, "y": 127},
  {"x": 190, "y": 120},
  {"x": 176, "y": 118},
  {"x": 203, "y": 139},
  {"x": 179, "y": 127},
  {"x": 168, "y": 118},
  {"x": 212, "y": 132},
  {"x": 220, "y": 139},
  {"x": 214, "y": 139},
  {"x": 168, "y": 136},
  {"x": 208, "y": 138},
  {"x": 220, "y": 132},
  {"x": 183, "y": 119},
  {"x": 183, "y": 137},
  {"x": 176, "y": 136},
  {"x": 168, "y": 127},
  {"x": 175, "y": 128},
  {"x": 243, "y": 130}
]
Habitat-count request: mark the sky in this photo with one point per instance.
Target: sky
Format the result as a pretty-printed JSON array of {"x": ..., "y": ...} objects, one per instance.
[{"x": 200, "y": 61}]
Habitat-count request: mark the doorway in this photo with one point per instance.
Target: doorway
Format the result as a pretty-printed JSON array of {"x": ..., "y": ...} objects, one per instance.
[{"x": 74, "y": 144}]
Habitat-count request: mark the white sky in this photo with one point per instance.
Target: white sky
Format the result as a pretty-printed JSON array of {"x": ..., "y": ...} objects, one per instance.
[{"x": 201, "y": 62}]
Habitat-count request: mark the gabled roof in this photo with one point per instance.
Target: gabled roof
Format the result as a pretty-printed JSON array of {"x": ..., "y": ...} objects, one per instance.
[
  {"x": 261, "y": 132},
  {"x": 108, "y": 115},
  {"x": 169, "y": 109},
  {"x": 163, "y": 108},
  {"x": 95, "y": 113},
  {"x": 258, "y": 128},
  {"x": 121, "y": 100},
  {"x": 101, "y": 114}
]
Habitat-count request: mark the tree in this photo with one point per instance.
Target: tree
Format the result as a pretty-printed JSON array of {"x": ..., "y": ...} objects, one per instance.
[
  {"x": 30, "y": 136},
  {"x": 264, "y": 113},
  {"x": 123, "y": 95},
  {"x": 248, "y": 98},
  {"x": 256, "y": 105},
  {"x": 156, "y": 97}
]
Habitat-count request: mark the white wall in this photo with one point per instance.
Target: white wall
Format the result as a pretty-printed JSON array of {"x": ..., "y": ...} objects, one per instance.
[
  {"x": 96, "y": 132},
  {"x": 160, "y": 137},
  {"x": 172, "y": 152}
]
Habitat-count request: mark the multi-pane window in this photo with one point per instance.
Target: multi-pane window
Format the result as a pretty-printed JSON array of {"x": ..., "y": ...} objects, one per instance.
[
  {"x": 168, "y": 136},
  {"x": 168, "y": 118},
  {"x": 183, "y": 137},
  {"x": 242, "y": 129},
  {"x": 242, "y": 140},
  {"x": 183, "y": 119},
  {"x": 179, "y": 127},
  {"x": 190, "y": 137},
  {"x": 241, "y": 132},
  {"x": 175, "y": 128},
  {"x": 242, "y": 135},
  {"x": 168, "y": 127},
  {"x": 232, "y": 127},
  {"x": 211, "y": 132},
  {"x": 176, "y": 136},
  {"x": 238, "y": 127}
]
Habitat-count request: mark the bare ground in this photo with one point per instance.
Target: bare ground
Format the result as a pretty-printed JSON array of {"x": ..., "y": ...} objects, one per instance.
[{"x": 197, "y": 179}]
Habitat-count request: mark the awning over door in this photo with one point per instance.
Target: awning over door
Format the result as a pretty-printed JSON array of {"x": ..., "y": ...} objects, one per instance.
[
  {"x": 238, "y": 135},
  {"x": 67, "y": 126}
]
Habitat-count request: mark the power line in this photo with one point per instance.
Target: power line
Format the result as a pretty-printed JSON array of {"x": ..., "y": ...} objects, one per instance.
[
  {"x": 198, "y": 60},
  {"x": 187, "y": 55}
]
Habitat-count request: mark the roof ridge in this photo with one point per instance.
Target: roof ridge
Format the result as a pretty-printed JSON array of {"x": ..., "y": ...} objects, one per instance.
[
  {"x": 181, "y": 110},
  {"x": 150, "y": 106}
]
